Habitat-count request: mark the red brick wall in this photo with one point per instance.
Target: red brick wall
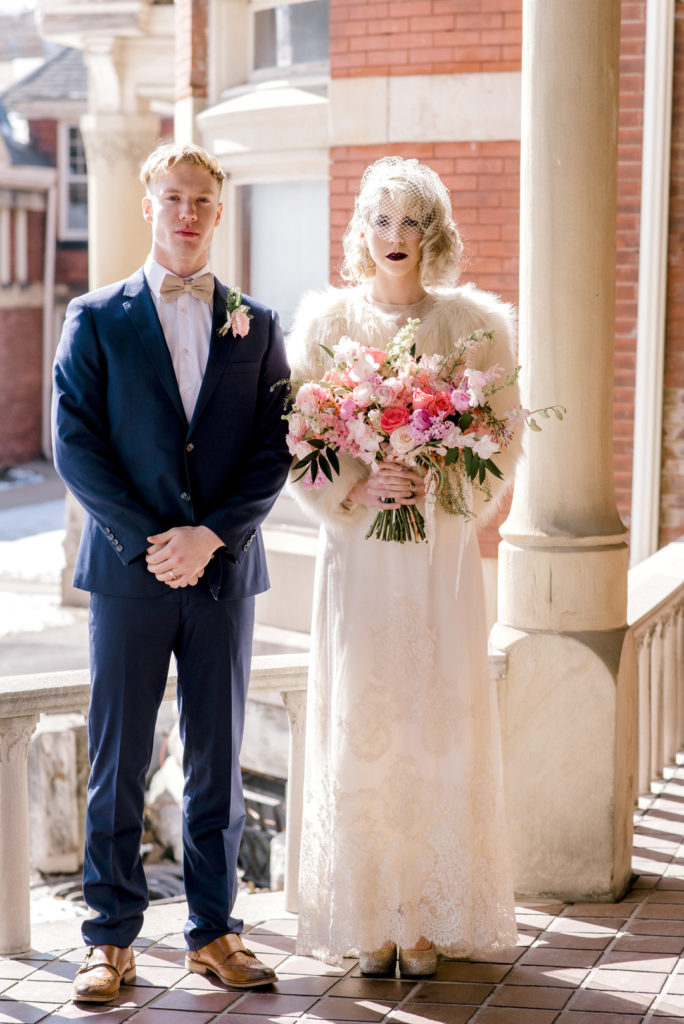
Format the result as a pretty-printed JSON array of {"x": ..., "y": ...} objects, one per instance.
[
  {"x": 191, "y": 48},
  {"x": 36, "y": 245},
  {"x": 399, "y": 37},
  {"x": 21, "y": 331},
  {"x": 72, "y": 266},
  {"x": 43, "y": 136},
  {"x": 672, "y": 478}
]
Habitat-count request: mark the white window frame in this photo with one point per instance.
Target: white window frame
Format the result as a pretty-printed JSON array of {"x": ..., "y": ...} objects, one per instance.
[
  {"x": 286, "y": 71},
  {"x": 66, "y": 178}
]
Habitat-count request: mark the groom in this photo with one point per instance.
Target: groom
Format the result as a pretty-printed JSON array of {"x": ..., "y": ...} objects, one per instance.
[{"x": 168, "y": 402}]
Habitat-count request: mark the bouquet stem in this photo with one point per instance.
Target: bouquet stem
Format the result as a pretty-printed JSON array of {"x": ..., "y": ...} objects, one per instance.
[{"x": 398, "y": 524}]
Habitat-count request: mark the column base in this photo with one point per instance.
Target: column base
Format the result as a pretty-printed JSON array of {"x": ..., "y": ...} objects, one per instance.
[{"x": 568, "y": 720}]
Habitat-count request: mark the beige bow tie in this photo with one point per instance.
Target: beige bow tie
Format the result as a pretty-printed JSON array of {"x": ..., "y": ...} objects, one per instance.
[{"x": 201, "y": 287}]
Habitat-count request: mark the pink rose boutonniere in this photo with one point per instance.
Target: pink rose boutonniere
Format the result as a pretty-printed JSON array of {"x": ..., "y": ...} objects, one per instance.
[{"x": 237, "y": 315}]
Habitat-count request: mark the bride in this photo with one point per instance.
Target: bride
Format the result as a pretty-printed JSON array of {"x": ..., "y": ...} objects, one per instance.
[{"x": 404, "y": 830}]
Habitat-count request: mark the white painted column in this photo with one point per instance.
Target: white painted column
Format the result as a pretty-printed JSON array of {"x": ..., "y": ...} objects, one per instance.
[
  {"x": 569, "y": 702},
  {"x": 15, "y": 890}
]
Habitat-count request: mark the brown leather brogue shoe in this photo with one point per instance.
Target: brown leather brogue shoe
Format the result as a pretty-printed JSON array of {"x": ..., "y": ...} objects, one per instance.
[
  {"x": 102, "y": 973},
  {"x": 231, "y": 962}
]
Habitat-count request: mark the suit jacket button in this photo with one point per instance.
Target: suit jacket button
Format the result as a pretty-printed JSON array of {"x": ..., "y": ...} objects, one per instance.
[
  {"x": 190, "y": 447},
  {"x": 119, "y": 547},
  {"x": 185, "y": 496}
]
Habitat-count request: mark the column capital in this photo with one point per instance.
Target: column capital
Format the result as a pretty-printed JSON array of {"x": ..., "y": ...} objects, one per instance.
[{"x": 15, "y": 737}]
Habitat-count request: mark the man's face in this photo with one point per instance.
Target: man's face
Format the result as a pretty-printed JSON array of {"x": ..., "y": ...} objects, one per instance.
[{"x": 183, "y": 208}]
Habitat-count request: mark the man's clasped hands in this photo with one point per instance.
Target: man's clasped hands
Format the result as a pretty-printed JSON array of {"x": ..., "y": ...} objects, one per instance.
[{"x": 179, "y": 556}]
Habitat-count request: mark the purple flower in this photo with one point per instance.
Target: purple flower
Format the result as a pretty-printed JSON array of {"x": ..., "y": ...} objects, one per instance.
[{"x": 421, "y": 419}]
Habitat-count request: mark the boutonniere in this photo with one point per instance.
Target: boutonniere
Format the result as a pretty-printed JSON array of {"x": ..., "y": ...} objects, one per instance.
[{"x": 237, "y": 315}]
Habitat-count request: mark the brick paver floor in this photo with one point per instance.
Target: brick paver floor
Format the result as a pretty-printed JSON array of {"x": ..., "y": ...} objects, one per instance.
[{"x": 592, "y": 963}]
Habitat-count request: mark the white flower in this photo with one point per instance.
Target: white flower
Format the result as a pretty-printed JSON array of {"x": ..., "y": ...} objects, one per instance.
[
  {"x": 453, "y": 437},
  {"x": 402, "y": 440},
  {"x": 363, "y": 394},
  {"x": 485, "y": 447},
  {"x": 362, "y": 366},
  {"x": 346, "y": 349},
  {"x": 365, "y": 438},
  {"x": 477, "y": 380},
  {"x": 307, "y": 401}
]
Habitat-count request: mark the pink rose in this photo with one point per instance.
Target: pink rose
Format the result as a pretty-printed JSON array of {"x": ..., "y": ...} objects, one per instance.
[
  {"x": 395, "y": 416},
  {"x": 460, "y": 400},
  {"x": 239, "y": 323},
  {"x": 421, "y": 399},
  {"x": 440, "y": 405}
]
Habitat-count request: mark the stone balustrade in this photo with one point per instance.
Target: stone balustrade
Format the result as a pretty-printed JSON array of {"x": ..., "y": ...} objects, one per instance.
[{"x": 655, "y": 617}]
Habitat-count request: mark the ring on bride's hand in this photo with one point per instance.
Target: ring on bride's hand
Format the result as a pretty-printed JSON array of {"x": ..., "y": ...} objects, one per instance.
[
  {"x": 172, "y": 574},
  {"x": 412, "y": 489}
]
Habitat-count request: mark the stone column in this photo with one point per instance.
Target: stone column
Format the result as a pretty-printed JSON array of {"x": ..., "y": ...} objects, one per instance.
[
  {"x": 568, "y": 704},
  {"x": 15, "y": 888},
  {"x": 118, "y": 236}
]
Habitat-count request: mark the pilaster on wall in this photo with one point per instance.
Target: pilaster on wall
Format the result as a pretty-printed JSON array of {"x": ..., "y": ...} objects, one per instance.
[{"x": 672, "y": 470}]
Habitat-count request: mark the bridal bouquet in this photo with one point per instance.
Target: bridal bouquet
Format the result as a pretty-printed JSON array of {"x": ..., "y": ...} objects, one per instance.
[{"x": 431, "y": 412}]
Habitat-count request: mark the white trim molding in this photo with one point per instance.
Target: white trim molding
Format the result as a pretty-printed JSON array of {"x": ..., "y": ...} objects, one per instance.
[{"x": 376, "y": 110}]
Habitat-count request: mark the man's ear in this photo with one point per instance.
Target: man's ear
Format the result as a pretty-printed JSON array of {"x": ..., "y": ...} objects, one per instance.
[
  {"x": 219, "y": 211},
  {"x": 147, "y": 209}
]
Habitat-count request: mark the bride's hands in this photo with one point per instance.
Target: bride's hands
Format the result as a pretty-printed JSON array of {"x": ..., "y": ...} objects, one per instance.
[{"x": 401, "y": 485}]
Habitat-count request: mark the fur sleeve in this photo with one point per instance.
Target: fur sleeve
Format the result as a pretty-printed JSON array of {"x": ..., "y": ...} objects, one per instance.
[{"x": 322, "y": 319}]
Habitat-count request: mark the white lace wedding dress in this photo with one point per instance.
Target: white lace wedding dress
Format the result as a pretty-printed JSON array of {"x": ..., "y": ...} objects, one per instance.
[{"x": 404, "y": 830}]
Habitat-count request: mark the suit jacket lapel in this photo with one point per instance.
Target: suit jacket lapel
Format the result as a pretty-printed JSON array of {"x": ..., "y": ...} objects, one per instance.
[
  {"x": 220, "y": 351},
  {"x": 139, "y": 305}
]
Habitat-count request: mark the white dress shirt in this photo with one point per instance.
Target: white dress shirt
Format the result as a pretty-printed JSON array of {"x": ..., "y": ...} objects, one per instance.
[{"x": 186, "y": 323}]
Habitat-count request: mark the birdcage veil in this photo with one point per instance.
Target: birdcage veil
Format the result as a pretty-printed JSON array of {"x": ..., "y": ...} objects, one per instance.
[{"x": 404, "y": 198}]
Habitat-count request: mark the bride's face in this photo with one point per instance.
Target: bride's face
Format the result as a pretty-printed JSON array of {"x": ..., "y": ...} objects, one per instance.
[{"x": 393, "y": 238}]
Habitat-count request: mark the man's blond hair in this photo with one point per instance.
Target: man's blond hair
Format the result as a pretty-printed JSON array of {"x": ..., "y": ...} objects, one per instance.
[{"x": 168, "y": 155}]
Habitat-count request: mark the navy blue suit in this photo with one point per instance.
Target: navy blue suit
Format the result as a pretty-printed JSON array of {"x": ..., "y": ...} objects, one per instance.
[{"x": 124, "y": 447}]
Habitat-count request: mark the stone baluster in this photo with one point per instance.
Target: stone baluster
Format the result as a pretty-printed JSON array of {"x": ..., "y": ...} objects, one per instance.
[
  {"x": 15, "y": 888},
  {"x": 657, "y": 708},
  {"x": 670, "y": 696},
  {"x": 644, "y": 713}
]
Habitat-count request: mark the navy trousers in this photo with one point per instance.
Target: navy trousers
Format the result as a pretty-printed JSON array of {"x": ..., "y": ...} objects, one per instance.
[{"x": 131, "y": 643}]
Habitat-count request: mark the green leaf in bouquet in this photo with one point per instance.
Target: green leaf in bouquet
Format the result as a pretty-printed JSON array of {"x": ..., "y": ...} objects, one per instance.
[
  {"x": 333, "y": 460},
  {"x": 470, "y": 466},
  {"x": 325, "y": 466},
  {"x": 559, "y": 411},
  {"x": 304, "y": 462},
  {"x": 465, "y": 420},
  {"x": 451, "y": 456},
  {"x": 533, "y": 425},
  {"x": 493, "y": 469},
  {"x": 482, "y": 471},
  {"x": 314, "y": 470},
  {"x": 328, "y": 350}
]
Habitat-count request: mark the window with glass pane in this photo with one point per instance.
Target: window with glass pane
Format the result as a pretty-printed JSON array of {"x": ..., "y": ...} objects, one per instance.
[
  {"x": 75, "y": 184},
  {"x": 291, "y": 34}
]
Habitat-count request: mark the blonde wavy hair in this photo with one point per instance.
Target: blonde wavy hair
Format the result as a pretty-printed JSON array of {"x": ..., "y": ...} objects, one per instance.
[
  {"x": 420, "y": 193},
  {"x": 169, "y": 154}
]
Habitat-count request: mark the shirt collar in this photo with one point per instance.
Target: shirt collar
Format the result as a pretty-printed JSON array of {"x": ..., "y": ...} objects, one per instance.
[{"x": 155, "y": 274}]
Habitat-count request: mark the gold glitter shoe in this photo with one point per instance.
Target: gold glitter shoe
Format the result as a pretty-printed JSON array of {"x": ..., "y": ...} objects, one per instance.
[
  {"x": 378, "y": 961},
  {"x": 415, "y": 963}
]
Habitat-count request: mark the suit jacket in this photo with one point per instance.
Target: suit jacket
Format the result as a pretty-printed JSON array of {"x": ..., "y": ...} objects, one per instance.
[{"x": 123, "y": 445}]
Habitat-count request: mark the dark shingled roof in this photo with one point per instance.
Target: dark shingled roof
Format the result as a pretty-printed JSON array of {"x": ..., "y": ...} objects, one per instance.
[{"x": 61, "y": 77}]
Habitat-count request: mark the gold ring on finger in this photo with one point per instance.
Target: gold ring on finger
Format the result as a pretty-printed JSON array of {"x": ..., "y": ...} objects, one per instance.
[{"x": 172, "y": 574}]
